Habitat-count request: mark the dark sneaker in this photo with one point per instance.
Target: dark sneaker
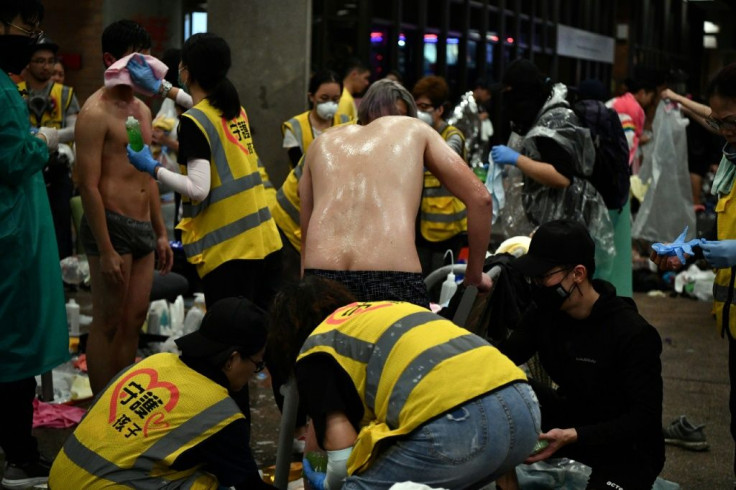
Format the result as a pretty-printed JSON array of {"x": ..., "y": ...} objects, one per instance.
[
  {"x": 684, "y": 434},
  {"x": 26, "y": 475}
]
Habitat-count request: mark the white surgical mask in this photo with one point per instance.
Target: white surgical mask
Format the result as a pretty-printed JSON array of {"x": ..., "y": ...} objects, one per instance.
[
  {"x": 426, "y": 117},
  {"x": 327, "y": 110}
]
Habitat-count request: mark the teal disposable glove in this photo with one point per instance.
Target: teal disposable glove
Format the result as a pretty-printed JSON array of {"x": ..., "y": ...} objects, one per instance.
[
  {"x": 142, "y": 75},
  {"x": 143, "y": 160},
  {"x": 504, "y": 155},
  {"x": 720, "y": 254},
  {"x": 316, "y": 479}
]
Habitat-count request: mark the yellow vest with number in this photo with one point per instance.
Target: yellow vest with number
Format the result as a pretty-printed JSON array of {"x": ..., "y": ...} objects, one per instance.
[
  {"x": 61, "y": 95},
  {"x": 442, "y": 214},
  {"x": 145, "y": 419},
  {"x": 302, "y": 130},
  {"x": 403, "y": 389},
  {"x": 723, "y": 286},
  {"x": 233, "y": 221}
]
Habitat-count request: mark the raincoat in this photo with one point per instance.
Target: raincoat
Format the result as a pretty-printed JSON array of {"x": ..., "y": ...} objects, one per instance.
[
  {"x": 529, "y": 203},
  {"x": 33, "y": 331}
]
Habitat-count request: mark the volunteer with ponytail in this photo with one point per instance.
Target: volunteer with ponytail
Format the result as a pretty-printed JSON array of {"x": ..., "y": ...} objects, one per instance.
[{"x": 227, "y": 228}]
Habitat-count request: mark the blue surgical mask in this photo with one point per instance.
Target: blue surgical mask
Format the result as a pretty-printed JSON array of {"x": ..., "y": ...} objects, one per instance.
[{"x": 729, "y": 152}]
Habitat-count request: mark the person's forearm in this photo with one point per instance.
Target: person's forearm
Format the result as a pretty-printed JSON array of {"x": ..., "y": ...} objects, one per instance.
[
  {"x": 480, "y": 211},
  {"x": 542, "y": 172},
  {"x": 195, "y": 185},
  {"x": 695, "y": 110},
  {"x": 94, "y": 213}
]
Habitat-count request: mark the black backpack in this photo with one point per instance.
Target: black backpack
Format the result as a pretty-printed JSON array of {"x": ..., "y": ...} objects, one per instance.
[{"x": 611, "y": 170}]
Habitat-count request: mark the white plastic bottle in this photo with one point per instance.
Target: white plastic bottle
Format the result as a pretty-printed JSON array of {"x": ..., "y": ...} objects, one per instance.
[
  {"x": 195, "y": 314},
  {"x": 72, "y": 317},
  {"x": 449, "y": 287}
]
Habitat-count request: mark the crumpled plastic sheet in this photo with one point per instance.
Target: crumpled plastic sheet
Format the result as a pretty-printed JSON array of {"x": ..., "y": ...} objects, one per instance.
[
  {"x": 465, "y": 117},
  {"x": 669, "y": 200},
  {"x": 529, "y": 204},
  {"x": 565, "y": 474}
]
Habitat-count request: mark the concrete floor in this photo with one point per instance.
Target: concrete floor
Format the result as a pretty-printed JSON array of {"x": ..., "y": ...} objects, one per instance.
[{"x": 694, "y": 360}]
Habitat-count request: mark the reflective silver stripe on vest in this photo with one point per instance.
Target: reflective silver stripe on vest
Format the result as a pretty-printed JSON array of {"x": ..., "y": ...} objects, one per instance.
[
  {"x": 216, "y": 148},
  {"x": 138, "y": 476},
  {"x": 223, "y": 191},
  {"x": 287, "y": 206},
  {"x": 267, "y": 184},
  {"x": 344, "y": 118},
  {"x": 436, "y": 192},
  {"x": 227, "y": 232},
  {"x": 445, "y": 218},
  {"x": 345, "y": 345},
  {"x": 383, "y": 348},
  {"x": 296, "y": 128},
  {"x": 284, "y": 202},
  {"x": 720, "y": 293},
  {"x": 422, "y": 365}
]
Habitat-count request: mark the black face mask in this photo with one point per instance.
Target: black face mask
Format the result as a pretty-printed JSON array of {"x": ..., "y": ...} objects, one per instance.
[
  {"x": 15, "y": 52},
  {"x": 521, "y": 109},
  {"x": 550, "y": 298}
]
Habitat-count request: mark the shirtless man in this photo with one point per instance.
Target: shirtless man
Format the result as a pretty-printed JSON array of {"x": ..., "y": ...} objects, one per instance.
[
  {"x": 360, "y": 192},
  {"x": 122, "y": 223}
]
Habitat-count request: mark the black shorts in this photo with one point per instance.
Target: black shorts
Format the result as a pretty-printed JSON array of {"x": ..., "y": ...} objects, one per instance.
[
  {"x": 380, "y": 285},
  {"x": 128, "y": 236}
]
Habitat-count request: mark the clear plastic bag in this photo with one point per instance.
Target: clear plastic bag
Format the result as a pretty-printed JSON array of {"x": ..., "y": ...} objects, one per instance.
[{"x": 668, "y": 203}]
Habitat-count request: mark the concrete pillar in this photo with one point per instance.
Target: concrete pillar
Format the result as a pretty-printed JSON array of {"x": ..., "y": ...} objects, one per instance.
[{"x": 270, "y": 44}]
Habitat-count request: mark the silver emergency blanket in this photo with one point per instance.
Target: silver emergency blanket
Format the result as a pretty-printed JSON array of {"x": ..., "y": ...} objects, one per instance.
[
  {"x": 529, "y": 203},
  {"x": 668, "y": 204},
  {"x": 466, "y": 118}
]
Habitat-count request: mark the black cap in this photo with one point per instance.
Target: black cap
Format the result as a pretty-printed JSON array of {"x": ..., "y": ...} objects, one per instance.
[
  {"x": 560, "y": 242},
  {"x": 45, "y": 42},
  {"x": 230, "y": 322}
]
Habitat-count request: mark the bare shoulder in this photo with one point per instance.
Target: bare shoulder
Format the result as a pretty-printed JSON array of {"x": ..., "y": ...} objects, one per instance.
[{"x": 94, "y": 114}]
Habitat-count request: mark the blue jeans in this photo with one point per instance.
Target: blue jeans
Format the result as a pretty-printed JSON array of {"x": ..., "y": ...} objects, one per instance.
[{"x": 476, "y": 442}]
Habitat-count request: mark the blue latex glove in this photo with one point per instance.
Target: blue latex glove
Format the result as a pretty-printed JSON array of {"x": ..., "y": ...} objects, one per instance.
[
  {"x": 142, "y": 75},
  {"x": 720, "y": 254},
  {"x": 678, "y": 247},
  {"x": 504, "y": 155},
  {"x": 316, "y": 479},
  {"x": 143, "y": 160}
]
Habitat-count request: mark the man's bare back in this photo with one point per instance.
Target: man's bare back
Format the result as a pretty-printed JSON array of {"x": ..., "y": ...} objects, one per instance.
[
  {"x": 101, "y": 139},
  {"x": 360, "y": 194}
]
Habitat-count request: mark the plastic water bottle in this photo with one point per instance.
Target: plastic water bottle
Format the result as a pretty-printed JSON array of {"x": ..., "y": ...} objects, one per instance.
[
  {"x": 195, "y": 314},
  {"x": 72, "y": 317},
  {"x": 135, "y": 138}
]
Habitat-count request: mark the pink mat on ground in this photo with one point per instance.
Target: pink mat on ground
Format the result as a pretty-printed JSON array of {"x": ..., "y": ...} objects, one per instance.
[{"x": 56, "y": 416}]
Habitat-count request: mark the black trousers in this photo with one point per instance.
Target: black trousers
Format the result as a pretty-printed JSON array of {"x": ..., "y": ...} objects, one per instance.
[
  {"x": 257, "y": 280},
  {"x": 732, "y": 395},
  {"x": 59, "y": 188},
  {"x": 16, "y": 421}
]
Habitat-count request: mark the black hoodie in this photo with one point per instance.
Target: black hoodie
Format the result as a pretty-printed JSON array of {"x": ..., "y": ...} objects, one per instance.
[{"x": 608, "y": 370}]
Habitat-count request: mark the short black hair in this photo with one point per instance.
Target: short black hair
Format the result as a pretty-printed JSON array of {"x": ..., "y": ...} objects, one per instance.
[
  {"x": 171, "y": 59},
  {"x": 351, "y": 64},
  {"x": 724, "y": 83},
  {"x": 124, "y": 35},
  {"x": 31, "y": 11},
  {"x": 323, "y": 76}
]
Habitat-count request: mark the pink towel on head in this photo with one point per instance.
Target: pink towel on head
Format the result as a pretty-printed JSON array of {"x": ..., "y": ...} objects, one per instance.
[{"x": 117, "y": 73}]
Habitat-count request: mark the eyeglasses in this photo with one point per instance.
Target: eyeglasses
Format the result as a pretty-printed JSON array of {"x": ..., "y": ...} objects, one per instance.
[
  {"x": 34, "y": 35},
  {"x": 540, "y": 280},
  {"x": 721, "y": 124},
  {"x": 260, "y": 365}
]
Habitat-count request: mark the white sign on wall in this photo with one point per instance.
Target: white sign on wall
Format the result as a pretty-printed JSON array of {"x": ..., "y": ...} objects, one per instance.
[{"x": 577, "y": 43}]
